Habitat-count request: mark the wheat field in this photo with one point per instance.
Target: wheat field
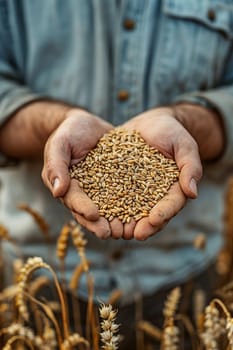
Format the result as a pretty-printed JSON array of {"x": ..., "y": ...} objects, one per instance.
[{"x": 30, "y": 321}]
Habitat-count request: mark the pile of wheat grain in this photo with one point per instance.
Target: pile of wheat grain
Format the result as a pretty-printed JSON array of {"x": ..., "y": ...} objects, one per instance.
[{"x": 124, "y": 176}]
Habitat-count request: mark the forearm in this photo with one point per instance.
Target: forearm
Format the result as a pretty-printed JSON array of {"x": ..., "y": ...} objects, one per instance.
[
  {"x": 25, "y": 133},
  {"x": 205, "y": 126}
]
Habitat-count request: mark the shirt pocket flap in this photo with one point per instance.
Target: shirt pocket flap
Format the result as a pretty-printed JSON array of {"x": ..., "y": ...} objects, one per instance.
[{"x": 215, "y": 15}]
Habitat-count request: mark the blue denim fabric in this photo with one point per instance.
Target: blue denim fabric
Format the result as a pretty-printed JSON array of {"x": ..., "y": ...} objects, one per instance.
[{"x": 81, "y": 53}]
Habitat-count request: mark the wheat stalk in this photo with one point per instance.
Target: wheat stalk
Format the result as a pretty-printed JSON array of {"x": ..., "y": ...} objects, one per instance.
[
  {"x": 40, "y": 221},
  {"x": 37, "y": 284},
  {"x": 199, "y": 305},
  {"x": 115, "y": 296},
  {"x": 74, "y": 280},
  {"x": 149, "y": 329}
]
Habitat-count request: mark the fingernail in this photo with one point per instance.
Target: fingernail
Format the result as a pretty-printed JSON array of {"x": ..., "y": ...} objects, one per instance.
[
  {"x": 56, "y": 183},
  {"x": 193, "y": 186}
]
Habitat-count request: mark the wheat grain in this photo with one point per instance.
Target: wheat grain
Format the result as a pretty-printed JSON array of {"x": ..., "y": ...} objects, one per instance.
[{"x": 124, "y": 176}]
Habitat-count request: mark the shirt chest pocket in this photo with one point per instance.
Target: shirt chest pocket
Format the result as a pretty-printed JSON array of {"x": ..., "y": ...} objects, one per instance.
[{"x": 195, "y": 41}]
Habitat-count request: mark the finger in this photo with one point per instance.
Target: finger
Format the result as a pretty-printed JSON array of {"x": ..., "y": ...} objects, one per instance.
[
  {"x": 167, "y": 207},
  {"x": 55, "y": 172},
  {"x": 100, "y": 228},
  {"x": 116, "y": 228},
  {"x": 129, "y": 229},
  {"x": 144, "y": 229},
  {"x": 77, "y": 201},
  {"x": 188, "y": 160}
]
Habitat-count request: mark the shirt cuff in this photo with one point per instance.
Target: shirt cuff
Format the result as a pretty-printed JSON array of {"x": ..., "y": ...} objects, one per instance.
[{"x": 220, "y": 100}]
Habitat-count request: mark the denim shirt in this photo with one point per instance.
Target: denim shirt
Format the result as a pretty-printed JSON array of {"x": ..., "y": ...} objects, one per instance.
[{"x": 118, "y": 59}]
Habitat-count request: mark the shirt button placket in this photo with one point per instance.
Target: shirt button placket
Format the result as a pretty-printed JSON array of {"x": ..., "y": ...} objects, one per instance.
[{"x": 128, "y": 25}]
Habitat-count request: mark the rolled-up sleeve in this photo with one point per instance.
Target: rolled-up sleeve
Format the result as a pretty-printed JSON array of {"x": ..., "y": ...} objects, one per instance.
[
  {"x": 13, "y": 92},
  {"x": 221, "y": 99}
]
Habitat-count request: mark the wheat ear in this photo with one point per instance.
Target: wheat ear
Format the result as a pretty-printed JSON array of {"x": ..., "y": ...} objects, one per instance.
[
  {"x": 109, "y": 327},
  {"x": 80, "y": 243},
  {"x": 171, "y": 331},
  {"x": 74, "y": 340},
  {"x": 16, "y": 338},
  {"x": 31, "y": 265}
]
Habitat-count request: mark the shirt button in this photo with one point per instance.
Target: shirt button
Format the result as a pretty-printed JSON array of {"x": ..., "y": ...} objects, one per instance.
[
  {"x": 211, "y": 15},
  {"x": 123, "y": 95},
  {"x": 129, "y": 24},
  {"x": 117, "y": 254},
  {"x": 203, "y": 86}
]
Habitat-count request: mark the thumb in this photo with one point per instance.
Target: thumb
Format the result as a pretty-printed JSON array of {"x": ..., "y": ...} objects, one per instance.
[
  {"x": 55, "y": 173},
  {"x": 188, "y": 160}
]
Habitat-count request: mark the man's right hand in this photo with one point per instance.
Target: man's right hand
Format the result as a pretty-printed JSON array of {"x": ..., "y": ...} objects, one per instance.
[{"x": 67, "y": 145}]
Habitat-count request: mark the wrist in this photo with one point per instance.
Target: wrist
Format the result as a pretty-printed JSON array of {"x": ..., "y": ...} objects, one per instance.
[
  {"x": 52, "y": 115},
  {"x": 205, "y": 126},
  {"x": 34, "y": 123}
]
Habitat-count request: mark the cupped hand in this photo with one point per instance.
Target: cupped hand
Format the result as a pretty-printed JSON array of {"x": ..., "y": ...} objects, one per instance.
[
  {"x": 69, "y": 144},
  {"x": 161, "y": 130}
]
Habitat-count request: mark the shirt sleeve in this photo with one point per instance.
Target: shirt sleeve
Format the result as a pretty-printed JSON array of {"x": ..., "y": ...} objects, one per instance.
[
  {"x": 13, "y": 91},
  {"x": 221, "y": 99}
]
